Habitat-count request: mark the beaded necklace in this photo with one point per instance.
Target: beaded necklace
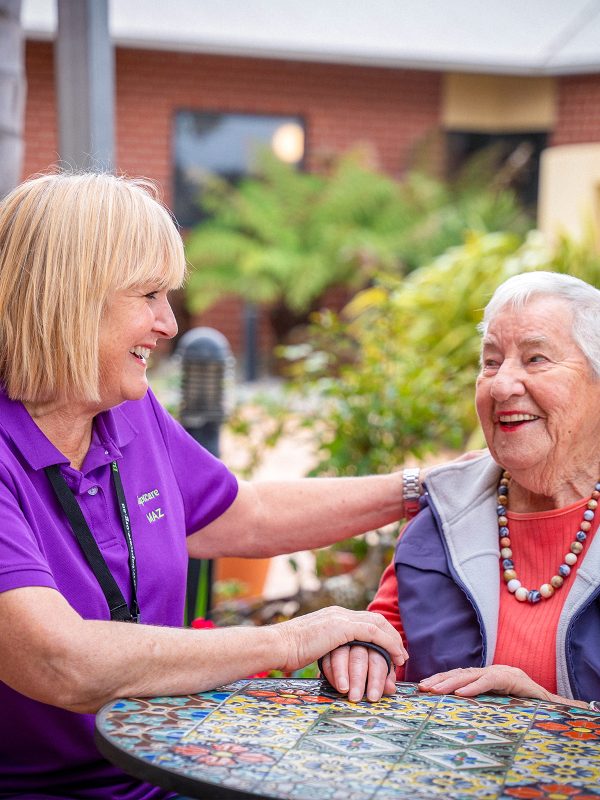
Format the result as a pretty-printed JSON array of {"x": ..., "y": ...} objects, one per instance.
[{"x": 546, "y": 590}]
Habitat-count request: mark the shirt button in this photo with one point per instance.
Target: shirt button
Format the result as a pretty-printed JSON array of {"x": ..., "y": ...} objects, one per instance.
[
  {"x": 106, "y": 452},
  {"x": 93, "y": 490}
]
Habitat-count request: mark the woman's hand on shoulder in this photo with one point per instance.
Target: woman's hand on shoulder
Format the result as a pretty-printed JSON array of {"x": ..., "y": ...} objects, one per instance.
[
  {"x": 498, "y": 679},
  {"x": 358, "y": 671},
  {"x": 309, "y": 637}
]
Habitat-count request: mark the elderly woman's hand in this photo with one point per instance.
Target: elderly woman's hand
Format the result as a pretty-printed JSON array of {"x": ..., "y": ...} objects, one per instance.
[
  {"x": 499, "y": 679},
  {"x": 357, "y": 670},
  {"x": 308, "y": 637}
]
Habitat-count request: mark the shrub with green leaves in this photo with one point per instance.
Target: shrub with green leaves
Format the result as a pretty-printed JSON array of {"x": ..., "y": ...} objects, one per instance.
[{"x": 283, "y": 238}]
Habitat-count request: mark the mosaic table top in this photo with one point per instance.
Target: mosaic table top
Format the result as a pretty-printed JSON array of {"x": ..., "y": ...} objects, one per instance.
[{"x": 299, "y": 739}]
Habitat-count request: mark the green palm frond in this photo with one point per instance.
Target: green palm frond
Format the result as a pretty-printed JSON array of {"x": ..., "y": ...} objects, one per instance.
[{"x": 285, "y": 237}]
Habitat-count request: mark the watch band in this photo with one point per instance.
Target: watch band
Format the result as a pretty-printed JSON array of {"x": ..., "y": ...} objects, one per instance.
[{"x": 411, "y": 488}]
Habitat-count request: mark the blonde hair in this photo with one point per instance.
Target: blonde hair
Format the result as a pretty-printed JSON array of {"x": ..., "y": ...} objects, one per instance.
[{"x": 67, "y": 242}]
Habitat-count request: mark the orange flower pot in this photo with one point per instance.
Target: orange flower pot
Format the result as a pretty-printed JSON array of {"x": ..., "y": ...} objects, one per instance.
[{"x": 250, "y": 571}]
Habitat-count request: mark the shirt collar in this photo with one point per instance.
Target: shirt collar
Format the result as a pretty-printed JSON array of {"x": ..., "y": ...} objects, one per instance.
[
  {"x": 113, "y": 430},
  {"x": 114, "y": 427}
]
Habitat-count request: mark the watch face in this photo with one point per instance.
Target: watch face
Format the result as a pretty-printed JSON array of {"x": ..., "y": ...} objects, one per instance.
[{"x": 595, "y": 706}]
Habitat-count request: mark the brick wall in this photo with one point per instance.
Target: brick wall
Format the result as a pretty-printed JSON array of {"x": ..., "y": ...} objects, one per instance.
[
  {"x": 578, "y": 120},
  {"x": 41, "y": 139},
  {"x": 341, "y": 105}
]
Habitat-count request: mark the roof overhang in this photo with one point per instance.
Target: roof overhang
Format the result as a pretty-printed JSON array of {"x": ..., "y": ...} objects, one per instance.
[{"x": 512, "y": 37}]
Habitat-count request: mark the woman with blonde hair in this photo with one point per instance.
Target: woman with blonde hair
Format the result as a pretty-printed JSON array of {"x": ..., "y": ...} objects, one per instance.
[{"x": 86, "y": 265}]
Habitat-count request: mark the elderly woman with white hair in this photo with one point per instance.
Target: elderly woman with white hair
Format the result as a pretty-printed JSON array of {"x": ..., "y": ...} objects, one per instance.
[{"x": 495, "y": 584}]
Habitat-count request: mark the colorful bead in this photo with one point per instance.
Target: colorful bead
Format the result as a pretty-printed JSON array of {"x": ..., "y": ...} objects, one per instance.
[{"x": 546, "y": 590}]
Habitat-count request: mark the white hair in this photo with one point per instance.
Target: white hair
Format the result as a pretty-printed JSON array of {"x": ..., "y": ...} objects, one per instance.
[{"x": 583, "y": 298}]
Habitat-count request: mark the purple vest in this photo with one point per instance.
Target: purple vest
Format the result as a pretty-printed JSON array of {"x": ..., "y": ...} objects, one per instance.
[{"x": 443, "y": 626}]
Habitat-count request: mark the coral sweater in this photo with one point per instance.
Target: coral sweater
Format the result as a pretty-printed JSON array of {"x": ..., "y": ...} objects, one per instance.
[{"x": 526, "y": 633}]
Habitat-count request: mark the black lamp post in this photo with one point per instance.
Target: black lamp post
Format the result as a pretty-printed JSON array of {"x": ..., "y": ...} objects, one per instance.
[{"x": 206, "y": 372}]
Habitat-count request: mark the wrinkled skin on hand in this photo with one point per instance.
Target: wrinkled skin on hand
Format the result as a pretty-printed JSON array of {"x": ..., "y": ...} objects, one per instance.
[
  {"x": 496, "y": 679},
  {"x": 353, "y": 671},
  {"x": 357, "y": 671},
  {"x": 307, "y": 638}
]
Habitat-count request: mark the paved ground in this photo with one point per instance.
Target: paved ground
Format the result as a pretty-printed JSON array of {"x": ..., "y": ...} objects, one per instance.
[{"x": 292, "y": 458}]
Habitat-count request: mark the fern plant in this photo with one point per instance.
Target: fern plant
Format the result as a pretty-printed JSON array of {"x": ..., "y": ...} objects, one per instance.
[{"x": 283, "y": 238}]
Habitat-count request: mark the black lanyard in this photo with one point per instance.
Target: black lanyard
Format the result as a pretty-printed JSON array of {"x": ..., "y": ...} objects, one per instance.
[{"x": 119, "y": 610}]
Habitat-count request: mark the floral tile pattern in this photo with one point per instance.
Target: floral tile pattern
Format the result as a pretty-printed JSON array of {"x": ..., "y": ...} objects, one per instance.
[{"x": 298, "y": 740}]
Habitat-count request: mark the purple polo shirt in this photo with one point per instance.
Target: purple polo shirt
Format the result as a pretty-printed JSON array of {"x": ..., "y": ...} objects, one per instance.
[{"x": 173, "y": 487}]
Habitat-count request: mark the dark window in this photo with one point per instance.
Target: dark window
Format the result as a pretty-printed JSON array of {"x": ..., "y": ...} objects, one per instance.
[
  {"x": 226, "y": 145},
  {"x": 519, "y": 152}
]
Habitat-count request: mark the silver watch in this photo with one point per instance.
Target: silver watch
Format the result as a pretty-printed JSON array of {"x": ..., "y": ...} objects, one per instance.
[
  {"x": 594, "y": 706},
  {"x": 411, "y": 491}
]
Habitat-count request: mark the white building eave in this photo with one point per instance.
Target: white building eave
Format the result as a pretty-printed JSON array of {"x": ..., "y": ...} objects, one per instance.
[{"x": 515, "y": 37}]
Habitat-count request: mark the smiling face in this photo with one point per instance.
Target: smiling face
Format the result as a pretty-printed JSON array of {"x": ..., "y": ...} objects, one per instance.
[
  {"x": 538, "y": 399},
  {"x": 133, "y": 321}
]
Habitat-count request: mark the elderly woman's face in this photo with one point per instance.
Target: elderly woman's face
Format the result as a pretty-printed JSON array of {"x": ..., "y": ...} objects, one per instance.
[{"x": 537, "y": 398}]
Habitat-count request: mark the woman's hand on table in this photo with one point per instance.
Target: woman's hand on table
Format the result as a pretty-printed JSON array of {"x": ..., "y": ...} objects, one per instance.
[
  {"x": 358, "y": 671},
  {"x": 497, "y": 679},
  {"x": 308, "y": 637}
]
